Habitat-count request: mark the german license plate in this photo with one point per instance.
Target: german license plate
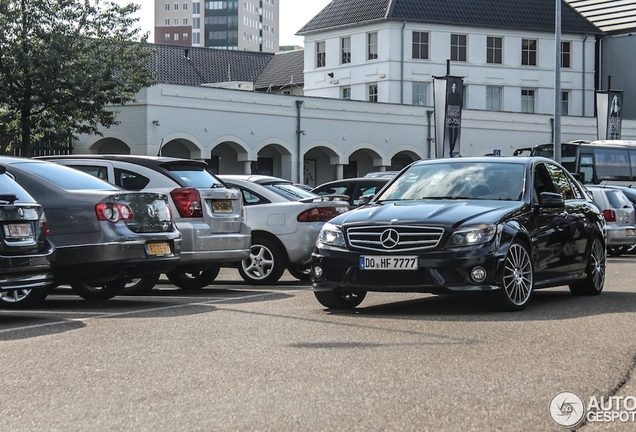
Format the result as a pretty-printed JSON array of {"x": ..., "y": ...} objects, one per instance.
[
  {"x": 407, "y": 262},
  {"x": 158, "y": 248},
  {"x": 19, "y": 230},
  {"x": 223, "y": 206}
]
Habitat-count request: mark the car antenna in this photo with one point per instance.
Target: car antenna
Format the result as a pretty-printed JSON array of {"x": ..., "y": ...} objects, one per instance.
[{"x": 160, "y": 148}]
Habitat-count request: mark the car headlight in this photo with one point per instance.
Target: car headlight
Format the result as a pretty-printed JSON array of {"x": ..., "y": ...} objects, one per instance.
[
  {"x": 473, "y": 235},
  {"x": 330, "y": 235}
]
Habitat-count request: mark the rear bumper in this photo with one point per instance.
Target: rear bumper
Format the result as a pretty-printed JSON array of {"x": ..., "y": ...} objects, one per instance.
[
  {"x": 617, "y": 236},
  {"x": 108, "y": 261},
  {"x": 200, "y": 246},
  {"x": 26, "y": 272}
]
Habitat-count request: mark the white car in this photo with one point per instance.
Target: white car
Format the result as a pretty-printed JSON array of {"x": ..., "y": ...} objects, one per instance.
[{"x": 285, "y": 221}]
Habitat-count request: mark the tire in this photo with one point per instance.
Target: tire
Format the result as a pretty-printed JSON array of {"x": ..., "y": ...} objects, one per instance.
[
  {"x": 335, "y": 300},
  {"x": 140, "y": 286},
  {"x": 102, "y": 292},
  {"x": 193, "y": 280},
  {"x": 266, "y": 263},
  {"x": 23, "y": 298},
  {"x": 300, "y": 274},
  {"x": 517, "y": 279},
  {"x": 595, "y": 271}
]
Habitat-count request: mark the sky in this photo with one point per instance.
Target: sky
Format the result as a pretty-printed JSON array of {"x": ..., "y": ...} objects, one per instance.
[{"x": 293, "y": 15}]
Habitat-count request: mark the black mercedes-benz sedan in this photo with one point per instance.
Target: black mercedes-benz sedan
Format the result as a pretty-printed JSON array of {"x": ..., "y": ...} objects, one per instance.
[{"x": 506, "y": 225}]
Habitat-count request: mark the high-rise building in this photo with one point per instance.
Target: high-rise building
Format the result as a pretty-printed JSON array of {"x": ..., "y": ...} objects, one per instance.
[{"x": 248, "y": 25}]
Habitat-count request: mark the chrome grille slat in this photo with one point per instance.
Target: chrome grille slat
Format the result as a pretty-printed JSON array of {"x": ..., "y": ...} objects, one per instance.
[{"x": 410, "y": 238}]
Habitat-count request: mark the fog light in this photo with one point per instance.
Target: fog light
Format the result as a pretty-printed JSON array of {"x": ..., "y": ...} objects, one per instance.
[
  {"x": 317, "y": 271},
  {"x": 478, "y": 274}
]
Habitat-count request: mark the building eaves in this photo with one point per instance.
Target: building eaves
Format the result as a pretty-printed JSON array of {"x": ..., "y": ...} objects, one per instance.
[{"x": 535, "y": 15}]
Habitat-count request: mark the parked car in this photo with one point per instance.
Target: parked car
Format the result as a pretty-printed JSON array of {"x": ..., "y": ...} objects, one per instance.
[
  {"x": 103, "y": 234},
  {"x": 509, "y": 225},
  {"x": 285, "y": 221},
  {"x": 209, "y": 215},
  {"x": 620, "y": 216},
  {"x": 353, "y": 188},
  {"x": 26, "y": 272}
]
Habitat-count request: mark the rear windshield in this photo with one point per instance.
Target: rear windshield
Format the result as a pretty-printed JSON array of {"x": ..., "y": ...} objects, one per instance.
[
  {"x": 65, "y": 177},
  {"x": 9, "y": 187},
  {"x": 617, "y": 199},
  {"x": 289, "y": 191},
  {"x": 195, "y": 176}
]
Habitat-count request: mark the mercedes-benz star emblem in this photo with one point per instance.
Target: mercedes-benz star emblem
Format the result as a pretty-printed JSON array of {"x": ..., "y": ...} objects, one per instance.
[
  {"x": 390, "y": 238},
  {"x": 20, "y": 212},
  {"x": 152, "y": 211}
]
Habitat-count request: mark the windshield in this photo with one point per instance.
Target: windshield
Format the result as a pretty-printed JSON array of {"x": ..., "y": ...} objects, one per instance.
[
  {"x": 194, "y": 175},
  {"x": 458, "y": 180},
  {"x": 289, "y": 191}
]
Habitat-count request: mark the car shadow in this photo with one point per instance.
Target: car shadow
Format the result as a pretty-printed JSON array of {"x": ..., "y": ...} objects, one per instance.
[
  {"x": 27, "y": 326},
  {"x": 545, "y": 305}
]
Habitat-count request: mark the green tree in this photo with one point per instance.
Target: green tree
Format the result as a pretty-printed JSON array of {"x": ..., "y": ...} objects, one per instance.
[{"x": 63, "y": 64}]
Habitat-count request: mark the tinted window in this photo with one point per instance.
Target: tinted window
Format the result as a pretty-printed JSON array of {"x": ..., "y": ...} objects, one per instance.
[
  {"x": 194, "y": 175},
  {"x": 289, "y": 191},
  {"x": 64, "y": 177},
  {"x": 612, "y": 163},
  {"x": 10, "y": 187},
  {"x": 617, "y": 199},
  {"x": 130, "y": 180},
  {"x": 563, "y": 184},
  {"x": 95, "y": 171}
]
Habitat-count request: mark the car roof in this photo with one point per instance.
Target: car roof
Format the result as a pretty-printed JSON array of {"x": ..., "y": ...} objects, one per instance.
[{"x": 136, "y": 159}]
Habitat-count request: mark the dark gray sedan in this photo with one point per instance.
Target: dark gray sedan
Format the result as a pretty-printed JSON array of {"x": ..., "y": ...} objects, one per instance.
[
  {"x": 26, "y": 273},
  {"x": 103, "y": 234}
]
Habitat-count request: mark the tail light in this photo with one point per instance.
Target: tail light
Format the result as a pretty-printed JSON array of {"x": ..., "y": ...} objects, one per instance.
[
  {"x": 188, "y": 202},
  {"x": 320, "y": 214},
  {"x": 44, "y": 227},
  {"x": 609, "y": 215},
  {"x": 113, "y": 212}
]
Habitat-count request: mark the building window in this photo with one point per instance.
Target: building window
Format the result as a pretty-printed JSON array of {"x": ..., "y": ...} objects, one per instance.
[
  {"x": 196, "y": 38},
  {"x": 527, "y": 101},
  {"x": 529, "y": 52},
  {"x": 346, "y": 93},
  {"x": 345, "y": 50},
  {"x": 166, "y": 6},
  {"x": 176, "y": 36},
  {"x": 420, "y": 45},
  {"x": 494, "y": 50},
  {"x": 566, "y": 48},
  {"x": 167, "y": 36},
  {"x": 373, "y": 92},
  {"x": 565, "y": 103},
  {"x": 176, "y": 21},
  {"x": 196, "y": 23},
  {"x": 458, "y": 47},
  {"x": 176, "y": 6},
  {"x": 320, "y": 54},
  {"x": 185, "y": 36},
  {"x": 493, "y": 98},
  {"x": 185, "y": 6},
  {"x": 420, "y": 93},
  {"x": 166, "y": 22},
  {"x": 372, "y": 46},
  {"x": 185, "y": 21},
  {"x": 196, "y": 8}
]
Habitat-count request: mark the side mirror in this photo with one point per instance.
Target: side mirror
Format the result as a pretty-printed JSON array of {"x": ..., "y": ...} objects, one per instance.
[
  {"x": 551, "y": 200},
  {"x": 364, "y": 199}
]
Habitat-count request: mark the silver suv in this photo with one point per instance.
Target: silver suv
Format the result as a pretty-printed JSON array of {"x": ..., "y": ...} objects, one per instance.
[
  {"x": 209, "y": 214},
  {"x": 620, "y": 216}
]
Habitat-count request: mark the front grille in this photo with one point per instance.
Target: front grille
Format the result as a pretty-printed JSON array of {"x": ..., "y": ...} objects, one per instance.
[{"x": 394, "y": 238}]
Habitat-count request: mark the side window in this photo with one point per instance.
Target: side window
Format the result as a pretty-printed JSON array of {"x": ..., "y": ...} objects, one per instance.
[
  {"x": 541, "y": 181},
  {"x": 562, "y": 183},
  {"x": 95, "y": 171},
  {"x": 130, "y": 180}
]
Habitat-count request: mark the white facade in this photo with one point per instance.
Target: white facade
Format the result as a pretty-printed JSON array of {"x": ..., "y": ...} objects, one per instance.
[
  {"x": 395, "y": 70},
  {"x": 238, "y": 130}
]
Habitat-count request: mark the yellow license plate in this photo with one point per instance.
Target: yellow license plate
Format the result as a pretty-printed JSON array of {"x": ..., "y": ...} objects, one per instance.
[
  {"x": 223, "y": 206},
  {"x": 158, "y": 248}
]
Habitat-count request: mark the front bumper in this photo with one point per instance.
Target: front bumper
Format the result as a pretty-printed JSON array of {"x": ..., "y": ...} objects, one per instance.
[{"x": 438, "y": 272}]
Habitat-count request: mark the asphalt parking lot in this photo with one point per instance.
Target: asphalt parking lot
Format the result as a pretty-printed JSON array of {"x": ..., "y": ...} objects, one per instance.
[{"x": 237, "y": 357}]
